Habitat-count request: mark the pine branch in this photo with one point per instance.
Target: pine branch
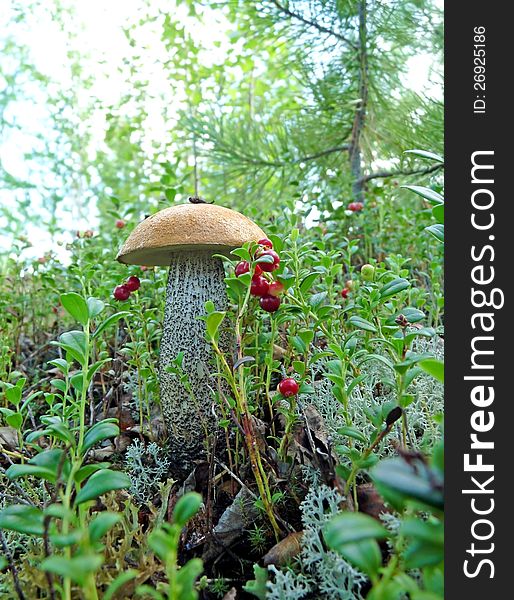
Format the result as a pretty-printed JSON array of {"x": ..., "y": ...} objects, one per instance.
[
  {"x": 342, "y": 148},
  {"x": 384, "y": 174},
  {"x": 262, "y": 162},
  {"x": 309, "y": 23}
]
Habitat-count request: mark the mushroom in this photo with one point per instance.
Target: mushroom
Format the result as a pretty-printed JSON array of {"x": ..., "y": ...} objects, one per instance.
[{"x": 185, "y": 237}]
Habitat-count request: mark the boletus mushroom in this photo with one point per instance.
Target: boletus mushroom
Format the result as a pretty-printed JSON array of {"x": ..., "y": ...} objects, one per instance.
[{"x": 185, "y": 237}]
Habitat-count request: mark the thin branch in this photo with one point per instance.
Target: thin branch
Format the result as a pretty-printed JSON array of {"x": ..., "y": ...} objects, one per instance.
[
  {"x": 384, "y": 174},
  {"x": 314, "y": 24},
  {"x": 261, "y": 162},
  {"x": 342, "y": 148}
]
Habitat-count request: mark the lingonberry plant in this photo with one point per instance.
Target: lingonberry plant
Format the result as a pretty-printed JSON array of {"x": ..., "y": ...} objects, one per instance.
[{"x": 326, "y": 465}]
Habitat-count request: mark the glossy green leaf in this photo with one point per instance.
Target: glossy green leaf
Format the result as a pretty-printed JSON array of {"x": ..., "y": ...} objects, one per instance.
[
  {"x": 101, "y": 482},
  {"x": 417, "y": 482},
  {"x": 101, "y": 524},
  {"x": 23, "y": 519},
  {"x": 76, "y": 306},
  {"x": 361, "y": 323},
  {"x": 426, "y": 193},
  {"x": 98, "y": 432},
  {"x": 426, "y": 154},
  {"x": 213, "y": 322},
  {"x": 352, "y": 432},
  {"x": 94, "y": 306},
  {"x": 351, "y": 527},
  {"x": 437, "y": 231},
  {"x": 109, "y": 321},
  {"x": 433, "y": 367},
  {"x": 394, "y": 287},
  {"x": 186, "y": 508},
  {"x": 76, "y": 568}
]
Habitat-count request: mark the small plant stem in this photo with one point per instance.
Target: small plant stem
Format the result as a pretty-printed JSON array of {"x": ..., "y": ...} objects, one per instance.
[
  {"x": 284, "y": 442},
  {"x": 239, "y": 390}
]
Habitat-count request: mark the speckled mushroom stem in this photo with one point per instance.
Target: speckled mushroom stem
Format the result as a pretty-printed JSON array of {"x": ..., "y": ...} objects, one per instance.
[{"x": 194, "y": 278}]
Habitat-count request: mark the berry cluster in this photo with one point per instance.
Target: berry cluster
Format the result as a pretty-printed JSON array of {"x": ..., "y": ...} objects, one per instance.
[
  {"x": 263, "y": 286},
  {"x": 122, "y": 292},
  {"x": 355, "y": 206}
]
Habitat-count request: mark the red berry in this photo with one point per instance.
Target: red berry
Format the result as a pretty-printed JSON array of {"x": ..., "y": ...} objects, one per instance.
[
  {"x": 345, "y": 292},
  {"x": 266, "y": 243},
  {"x": 288, "y": 387},
  {"x": 355, "y": 206},
  {"x": 276, "y": 288},
  {"x": 259, "y": 286},
  {"x": 121, "y": 292},
  {"x": 120, "y": 223},
  {"x": 242, "y": 267},
  {"x": 269, "y": 303},
  {"x": 267, "y": 266},
  {"x": 133, "y": 283}
]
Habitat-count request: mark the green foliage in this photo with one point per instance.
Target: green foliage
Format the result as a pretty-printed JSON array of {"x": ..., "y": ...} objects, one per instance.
[{"x": 290, "y": 112}]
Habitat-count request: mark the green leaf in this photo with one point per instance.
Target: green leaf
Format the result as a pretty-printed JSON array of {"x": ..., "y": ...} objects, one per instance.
[
  {"x": 438, "y": 213},
  {"x": 15, "y": 471},
  {"x": 409, "y": 482},
  {"x": 119, "y": 582},
  {"x": 186, "y": 508},
  {"x": 23, "y": 519},
  {"x": 161, "y": 542},
  {"x": 94, "y": 368},
  {"x": 77, "y": 568},
  {"x": 76, "y": 306},
  {"x": 74, "y": 342},
  {"x": 351, "y": 527},
  {"x": 413, "y": 315},
  {"x": 365, "y": 555},
  {"x": 426, "y": 193},
  {"x": 101, "y": 524},
  {"x": 170, "y": 194},
  {"x": 316, "y": 300},
  {"x": 242, "y": 253},
  {"x": 213, "y": 322},
  {"x": 94, "y": 307},
  {"x": 433, "y": 367},
  {"x": 437, "y": 231},
  {"x": 307, "y": 282},
  {"x": 15, "y": 420},
  {"x": 352, "y": 432},
  {"x": 3, "y": 562},
  {"x": 186, "y": 577},
  {"x": 426, "y": 154},
  {"x": 13, "y": 392},
  {"x": 69, "y": 539},
  {"x": 393, "y": 287},
  {"x": 361, "y": 323},
  {"x": 109, "y": 321},
  {"x": 257, "y": 587},
  {"x": 87, "y": 470},
  {"x": 61, "y": 364},
  {"x": 100, "y": 431},
  {"x": 101, "y": 482}
]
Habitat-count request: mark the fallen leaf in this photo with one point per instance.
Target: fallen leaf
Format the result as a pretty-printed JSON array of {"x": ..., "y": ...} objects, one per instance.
[{"x": 284, "y": 551}]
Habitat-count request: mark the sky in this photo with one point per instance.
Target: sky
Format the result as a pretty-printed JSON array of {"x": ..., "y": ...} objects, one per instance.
[{"x": 98, "y": 27}]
